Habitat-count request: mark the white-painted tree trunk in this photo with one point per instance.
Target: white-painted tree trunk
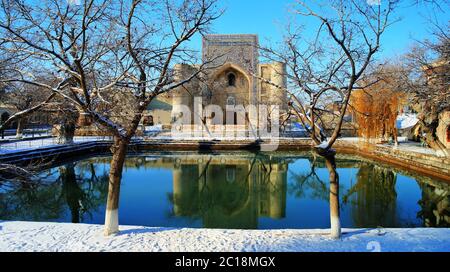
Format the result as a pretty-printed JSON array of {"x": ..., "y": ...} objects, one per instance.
[
  {"x": 111, "y": 221},
  {"x": 115, "y": 176},
  {"x": 335, "y": 231},
  {"x": 335, "y": 221},
  {"x": 19, "y": 134}
]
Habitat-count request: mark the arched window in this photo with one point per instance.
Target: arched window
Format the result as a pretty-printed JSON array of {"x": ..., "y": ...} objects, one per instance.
[{"x": 231, "y": 79}]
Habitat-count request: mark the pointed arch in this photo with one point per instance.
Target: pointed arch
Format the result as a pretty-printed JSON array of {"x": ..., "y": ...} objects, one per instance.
[{"x": 230, "y": 66}]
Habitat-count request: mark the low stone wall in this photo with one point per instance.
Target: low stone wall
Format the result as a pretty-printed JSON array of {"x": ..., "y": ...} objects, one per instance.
[{"x": 421, "y": 163}]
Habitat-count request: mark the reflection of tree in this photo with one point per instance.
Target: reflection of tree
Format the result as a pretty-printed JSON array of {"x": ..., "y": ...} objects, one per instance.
[
  {"x": 46, "y": 201},
  {"x": 373, "y": 198},
  {"x": 309, "y": 182},
  {"x": 71, "y": 190},
  {"x": 31, "y": 202},
  {"x": 85, "y": 193},
  {"x": 435, "y": 204}
]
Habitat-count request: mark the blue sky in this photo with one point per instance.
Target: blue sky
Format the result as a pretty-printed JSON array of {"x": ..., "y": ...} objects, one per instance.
[{"x": 267, "y": 18}]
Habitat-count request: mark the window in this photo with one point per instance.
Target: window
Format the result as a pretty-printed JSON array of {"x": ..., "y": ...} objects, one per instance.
[
  {"x": 231, "y": 100},
  {"x": 231, "y": 173},
  {"x": 231, "y": 79}
]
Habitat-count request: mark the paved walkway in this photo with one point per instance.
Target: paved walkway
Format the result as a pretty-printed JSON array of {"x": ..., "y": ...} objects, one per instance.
[{"x": 415, "y": 147}]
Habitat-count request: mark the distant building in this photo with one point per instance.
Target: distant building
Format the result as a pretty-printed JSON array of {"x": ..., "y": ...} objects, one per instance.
[{"x": 231, "y": 79}]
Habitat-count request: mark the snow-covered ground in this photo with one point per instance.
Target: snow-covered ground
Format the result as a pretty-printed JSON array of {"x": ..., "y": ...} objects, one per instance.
[
  {"x": 45, "y": 142},
  {"x": 34, "y": 236}
]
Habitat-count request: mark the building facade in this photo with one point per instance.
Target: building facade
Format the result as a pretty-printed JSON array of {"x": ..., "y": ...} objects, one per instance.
[{"x": 232, "y": 79}]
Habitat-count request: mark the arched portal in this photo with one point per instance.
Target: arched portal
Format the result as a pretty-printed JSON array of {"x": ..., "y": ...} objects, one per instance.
[{"x": 230, "y": 85}]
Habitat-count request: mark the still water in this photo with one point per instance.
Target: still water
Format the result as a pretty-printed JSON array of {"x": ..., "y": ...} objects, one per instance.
[{"x": 230, "y": 190}]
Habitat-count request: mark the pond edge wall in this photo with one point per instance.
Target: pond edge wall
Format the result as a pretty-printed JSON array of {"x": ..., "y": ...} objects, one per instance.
[{"x": 426, "y": 164}]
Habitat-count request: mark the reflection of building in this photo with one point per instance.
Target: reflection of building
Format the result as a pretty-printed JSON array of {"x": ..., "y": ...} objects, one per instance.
[
  {"x": 233, "y": 63},
  {"x": 374, "y": 200},
  {"x": 229, "y": 193},
  {"x": 435, "y": 205}
]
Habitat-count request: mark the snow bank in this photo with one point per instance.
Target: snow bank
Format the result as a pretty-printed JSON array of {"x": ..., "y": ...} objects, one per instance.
[
  {"x": 155, "y": 128},
  {"x": 323, "y": 145},
  {"x": 34, "y": 236},
  {"x": 405, "y": 121}
]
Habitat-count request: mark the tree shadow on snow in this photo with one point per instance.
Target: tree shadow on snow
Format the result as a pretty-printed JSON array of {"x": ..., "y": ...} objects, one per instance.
[
  {"x": 143, "y": 231},
  {"x": 371, "y": 231}
]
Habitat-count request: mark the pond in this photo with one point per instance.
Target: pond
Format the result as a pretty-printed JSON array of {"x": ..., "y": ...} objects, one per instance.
[{"x": 230, "y": 190}]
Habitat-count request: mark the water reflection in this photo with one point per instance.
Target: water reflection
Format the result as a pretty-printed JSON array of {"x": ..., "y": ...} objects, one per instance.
[
  {"x": 435, "y": 205},
  {"x": 373, "y": 198},
  {"x": 59, "y": 195},
  {"x": 230, "y": 191}
]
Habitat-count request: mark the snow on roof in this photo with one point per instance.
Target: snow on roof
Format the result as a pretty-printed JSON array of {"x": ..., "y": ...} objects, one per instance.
[{"x": 405, "y": 121}]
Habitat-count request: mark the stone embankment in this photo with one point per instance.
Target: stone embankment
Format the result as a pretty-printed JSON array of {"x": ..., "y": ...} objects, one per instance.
[{"x": 420, "y": 162}]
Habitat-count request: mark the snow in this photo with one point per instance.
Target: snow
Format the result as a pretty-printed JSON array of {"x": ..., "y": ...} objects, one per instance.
[
  {"x": 155, "y": 128},
  {"x": 36, "y": 236},
  {"x": 405, "y": 121},
  {"x": 417, "y": 148},
  {"x": 32, "y": 144},
  {"x": 323, "y": 145}
]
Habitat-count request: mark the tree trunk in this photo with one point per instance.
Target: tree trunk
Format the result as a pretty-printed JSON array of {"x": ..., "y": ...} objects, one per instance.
[
  {"x": 19, "y": 129},
  {"x": 67, "y": 132},
  {"x": 119, "y": 150},
  {"x": 429, "y": 129},
  {"x": 330, "y": 161},
  {"x": 435, "y": 144},
  {"x": 395, "y": 136},
  {"x": 335, "y": 221}
]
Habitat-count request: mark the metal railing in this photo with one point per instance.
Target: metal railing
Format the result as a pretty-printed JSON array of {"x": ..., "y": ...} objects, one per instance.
[{"x": 26, "y": 144}]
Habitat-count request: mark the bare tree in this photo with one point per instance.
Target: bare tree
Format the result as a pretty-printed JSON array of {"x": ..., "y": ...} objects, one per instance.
[
  {"x": 328, "y": 66},
  {"x": 376, "y": 108},
  {"x": 102, "y": 50},
  {"x": 427, "y": 78},
  {"x": 26, "y": 100}
]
